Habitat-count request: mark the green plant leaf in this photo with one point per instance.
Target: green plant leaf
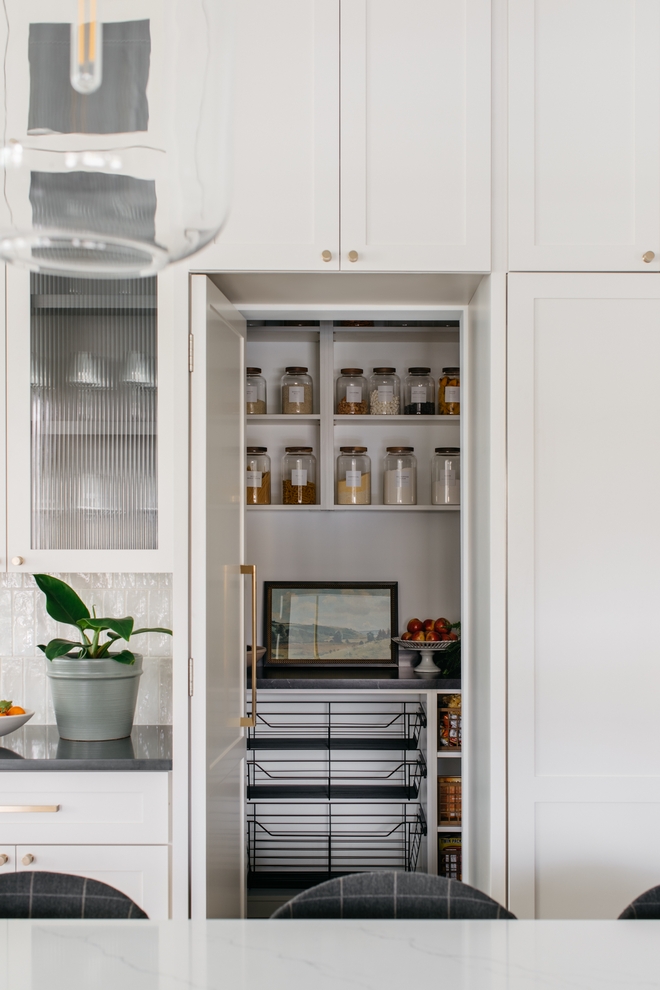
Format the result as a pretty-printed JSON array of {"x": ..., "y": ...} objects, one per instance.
[
  {"x": 60, "y": 647},
  {"x": 62, "y": 603},
  {"x": 168, "y": 632},
  {"x": 124, "y": 657},
  {"x": 5, "y": 705},
  {"x": 123, "y": 627}
]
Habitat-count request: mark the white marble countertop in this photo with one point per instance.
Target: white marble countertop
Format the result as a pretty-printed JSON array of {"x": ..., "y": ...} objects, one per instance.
[{"x": 329, "y": 955}]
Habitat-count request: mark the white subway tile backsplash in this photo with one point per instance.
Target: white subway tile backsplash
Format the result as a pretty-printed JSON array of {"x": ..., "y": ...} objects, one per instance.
[{"x": 24, "y": 623}]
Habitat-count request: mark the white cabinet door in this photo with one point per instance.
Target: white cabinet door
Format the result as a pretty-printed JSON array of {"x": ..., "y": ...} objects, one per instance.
[
  {"x": 217, "y": 503},
  {"x": 284, "y": 208},
  {"x": 584, "y": 130},
  {"x": 584, "y": 586},
  {"x": 140, "y": 872},
  {"x": 415, "y": 135},
  {"x": 90, "y": 408}
]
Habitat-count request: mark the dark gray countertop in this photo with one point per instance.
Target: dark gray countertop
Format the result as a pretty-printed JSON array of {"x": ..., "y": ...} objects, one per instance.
[
  {"x": 39, "y": 747},
  {"x": 349, "y": 679}
]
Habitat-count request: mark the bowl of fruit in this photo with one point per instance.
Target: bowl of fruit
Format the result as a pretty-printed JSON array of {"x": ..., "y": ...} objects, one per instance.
[
  {"x": 428, "y": 637},
  {"x": 12, "y": 717}
]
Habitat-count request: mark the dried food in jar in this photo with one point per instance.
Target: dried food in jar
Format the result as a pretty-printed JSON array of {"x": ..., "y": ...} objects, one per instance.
[
  {"x": 351, "y": 389},
  {"x": 383, "y": 406},
  {"x": 255, "y": 392},
  {"x": 353, "y": 476},
  {"x": 258, "y": 476},
  {"x": 298, "y": 494},
  {"x": 449, "y": 392},
  {"x": 297, "y": 392},
  {"x": 419, "y": 393}
]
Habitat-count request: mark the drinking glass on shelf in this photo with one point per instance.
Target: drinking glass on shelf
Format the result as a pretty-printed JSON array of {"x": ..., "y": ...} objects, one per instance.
[
  {"x": 88, "y": 371},
  {"x": 139, "y": 370}
]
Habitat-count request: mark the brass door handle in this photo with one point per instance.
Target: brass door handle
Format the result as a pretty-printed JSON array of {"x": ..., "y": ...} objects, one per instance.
[
  {"x": 18, "y": 809},
  {"x": 249, "y": 721}
]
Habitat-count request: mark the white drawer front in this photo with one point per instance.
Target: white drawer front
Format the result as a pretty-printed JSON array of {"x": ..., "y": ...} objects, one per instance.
[
  {"x": 112, "y": 808},
  {"x": 140, "y": 872}
]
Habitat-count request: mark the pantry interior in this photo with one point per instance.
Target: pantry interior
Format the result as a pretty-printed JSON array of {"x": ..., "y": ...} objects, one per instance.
[{"x": 433, "y": 552}]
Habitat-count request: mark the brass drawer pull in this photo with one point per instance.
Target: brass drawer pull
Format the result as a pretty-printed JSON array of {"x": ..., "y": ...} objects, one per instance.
[{"x": 17, "y": 809}]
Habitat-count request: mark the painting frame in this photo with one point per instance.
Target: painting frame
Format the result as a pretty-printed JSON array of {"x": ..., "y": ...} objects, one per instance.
[{"x": 385, "y": 606}]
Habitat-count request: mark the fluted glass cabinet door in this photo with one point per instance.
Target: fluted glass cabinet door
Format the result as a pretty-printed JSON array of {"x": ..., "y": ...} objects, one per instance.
[{"x": 83, "y": 390}]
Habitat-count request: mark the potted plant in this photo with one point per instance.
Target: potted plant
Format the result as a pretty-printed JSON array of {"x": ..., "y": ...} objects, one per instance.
[{"x": 94, "y": 691}]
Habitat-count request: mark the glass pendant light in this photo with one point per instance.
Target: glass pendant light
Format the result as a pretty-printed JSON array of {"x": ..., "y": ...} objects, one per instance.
[{"x": 114, "y": 132}]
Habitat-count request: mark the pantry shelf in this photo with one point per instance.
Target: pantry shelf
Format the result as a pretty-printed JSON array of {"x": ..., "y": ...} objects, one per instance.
[
  {"x": 380, "y": 420},
  {"x": 450, "y": 753},
  {"x": 280, "y": 418},
  {"x": 450, "y": 828}
]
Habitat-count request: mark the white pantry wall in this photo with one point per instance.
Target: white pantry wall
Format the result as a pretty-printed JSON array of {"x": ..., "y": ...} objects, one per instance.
[{"x": 24, "y": 623}]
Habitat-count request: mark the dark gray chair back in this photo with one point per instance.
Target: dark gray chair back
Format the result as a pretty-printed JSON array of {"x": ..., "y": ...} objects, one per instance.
[
  {"x": 59, "y": 895},
  {"x": 646, "y": 907},
  {"x": 392, "y": 895}
]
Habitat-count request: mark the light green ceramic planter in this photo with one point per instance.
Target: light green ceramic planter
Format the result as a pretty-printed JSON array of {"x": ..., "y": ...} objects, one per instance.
[{"x": 94, "y": 699}]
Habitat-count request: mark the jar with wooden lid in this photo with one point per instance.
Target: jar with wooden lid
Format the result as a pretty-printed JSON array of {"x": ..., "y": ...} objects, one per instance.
[
  {"x": 298, "y": 476},
  {"x": 258, "y": 476},
  {"x": 384, "y": 392},
  {"x": 297, "y": 392},
  {"x": 419, "y": 393},
  {"x": 400, "y": 476},
  {"x": 446, "y": 476},
  {"x": 353, "y": 476},
  {"x": 449, "y": 392},
  {"x": 255, "y": 392},
  {"x": 352, "y": 393}
]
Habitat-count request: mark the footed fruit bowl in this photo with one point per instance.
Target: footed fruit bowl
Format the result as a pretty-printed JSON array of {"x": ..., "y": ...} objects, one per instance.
[
  {"x": 9, "y": 723},
  {"x": 426, "y": 649}
]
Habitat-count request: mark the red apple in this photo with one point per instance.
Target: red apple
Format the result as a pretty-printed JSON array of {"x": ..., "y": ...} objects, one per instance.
[
  {"x": 419, "y": 636},
  {"x": 414, "y": 626},
  {"x": 432, "y": 637},
  {"x": 442, "y": 625},
  {"x": 428, "y": 625},
  {"x": 406, "y": 635},
  {"x": 452, "y": 636}
]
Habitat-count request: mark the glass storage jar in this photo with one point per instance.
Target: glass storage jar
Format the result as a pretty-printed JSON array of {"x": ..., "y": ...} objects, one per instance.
[
  {"x": 419, "y": 393},
  {"x": 258, "y": 476},
  {"x": 353, "y": 476},
  {"x": 449, "y": 392},
  {"x": 255, "y": 392},
  {"x": 446, "y": 476},
  {"x": 384, "y": 392},
  {"x": 352, "y": 393},
  {"x": 298, "y": 476},
  {"x": 400, "y": 476},
  {"x": 297, "y": 392}
]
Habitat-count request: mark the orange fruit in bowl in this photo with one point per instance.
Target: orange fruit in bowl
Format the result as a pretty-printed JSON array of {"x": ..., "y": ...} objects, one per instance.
[{"x": 16, "y": 710}]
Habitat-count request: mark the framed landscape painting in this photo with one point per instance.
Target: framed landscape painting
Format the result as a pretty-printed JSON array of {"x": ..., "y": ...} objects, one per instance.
[{"x": 331, "y": 623}]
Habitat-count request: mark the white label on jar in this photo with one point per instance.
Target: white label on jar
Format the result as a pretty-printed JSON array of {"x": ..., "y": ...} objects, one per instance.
[
  {"x": 251, "y": 393},
  {"x": 449, "y": 477},
  {"x": 254, "y": 479},
  {"x": 452, "y": 393},
  {"x": 298, "y": 477},
  {"x": 354, "y": 393},
  {"x": 296, "y": 393},
  {"x": 353, "y": 479},
  {"x": 417, "y": 394},
  {"x": 403, "y": 478},
  {"x": 385, "y": 393}
]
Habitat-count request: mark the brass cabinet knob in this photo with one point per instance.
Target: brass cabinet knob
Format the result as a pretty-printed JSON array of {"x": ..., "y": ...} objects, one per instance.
[
  {"x": 326, "y": 255},
  {"x": 27, "y": 859},
  {"x": 4, "y": 858},
  {"x": 352, "y": 256},
  {"x": 17, "y": 561},
  {"x": 648, "y": 257}
]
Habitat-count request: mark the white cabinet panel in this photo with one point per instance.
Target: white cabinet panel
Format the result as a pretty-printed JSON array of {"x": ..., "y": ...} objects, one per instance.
[
  {"x": 584, "y": 127},
  {"x": 93, "y": 807},
  {"x": 140, "y": 872},
  {"x": 584, "y": 538},
  {"x": 415, "y": 135},
  {"x": 285, "y": 201}
]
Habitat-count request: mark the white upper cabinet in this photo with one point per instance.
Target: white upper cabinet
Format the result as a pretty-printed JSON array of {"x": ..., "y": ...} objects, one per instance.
[
  {"x": 285, "y": 202},
  {"x": 584, "y": 127},
  {"x": 415, "y": 135}
]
